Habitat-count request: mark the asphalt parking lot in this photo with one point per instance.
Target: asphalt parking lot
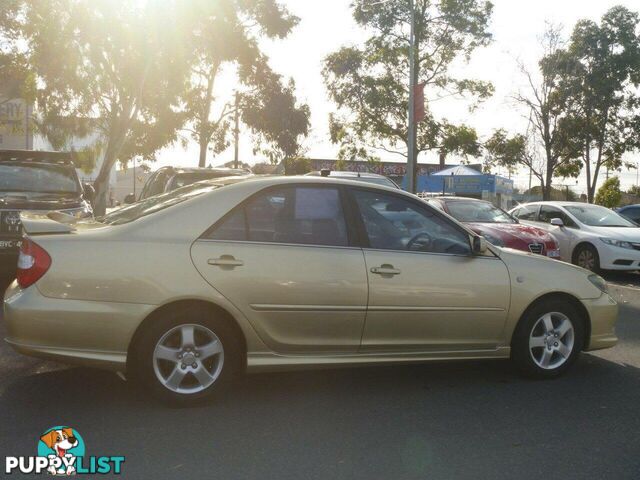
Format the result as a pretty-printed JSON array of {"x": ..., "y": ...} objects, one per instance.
[{"x": 437, "y": 421}]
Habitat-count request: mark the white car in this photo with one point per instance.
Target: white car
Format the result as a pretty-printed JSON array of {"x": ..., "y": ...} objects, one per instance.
[{"x": 590, "y": 236}]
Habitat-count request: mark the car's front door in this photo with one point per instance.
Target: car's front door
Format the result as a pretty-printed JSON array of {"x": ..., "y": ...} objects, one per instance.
[
  {"x": 284, "y": 258},
  {"x": 565, "y": 235},
  {"x": 427, "y": 292}
]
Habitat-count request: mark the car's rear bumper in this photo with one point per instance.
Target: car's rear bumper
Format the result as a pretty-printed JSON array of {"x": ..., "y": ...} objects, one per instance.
[
  {"x": 71, "y": 331},
  {"x": 603, "y": 313}
]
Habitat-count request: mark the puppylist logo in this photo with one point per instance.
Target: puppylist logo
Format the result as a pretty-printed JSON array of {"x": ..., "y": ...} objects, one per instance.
[{"x": 61, "y": 451}]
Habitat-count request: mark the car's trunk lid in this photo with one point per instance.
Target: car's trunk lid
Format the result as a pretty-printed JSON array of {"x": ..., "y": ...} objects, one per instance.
[{"x": 54, "y": 223}]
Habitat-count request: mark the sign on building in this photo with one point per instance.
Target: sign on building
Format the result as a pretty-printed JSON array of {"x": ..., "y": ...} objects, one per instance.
[{"x": 15, "y": 131}]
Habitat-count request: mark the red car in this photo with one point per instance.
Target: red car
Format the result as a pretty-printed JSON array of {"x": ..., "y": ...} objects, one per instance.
[{"x": 497, "y": 226}]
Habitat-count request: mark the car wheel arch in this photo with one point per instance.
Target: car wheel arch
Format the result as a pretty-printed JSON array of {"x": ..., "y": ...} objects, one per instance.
[
  {"x": 209, "y": 307},
  {"x": 582, "y": 243},
  {"x": 562, "y": 296}
]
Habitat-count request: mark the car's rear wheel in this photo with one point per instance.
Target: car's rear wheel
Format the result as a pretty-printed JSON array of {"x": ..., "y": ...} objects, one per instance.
[
  {"x": 586, "y": 256},
  {"x": 548, "y": 339},
  {"x": 187, "y": 356}
]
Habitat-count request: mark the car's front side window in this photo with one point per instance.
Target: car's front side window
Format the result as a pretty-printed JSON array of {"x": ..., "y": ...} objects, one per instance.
[
  {"x": 528, "y": 213},
  {"x": 548, "y": 213},
  {"x": 394, "y": 223},
  {"x": 294, "y": 215}
]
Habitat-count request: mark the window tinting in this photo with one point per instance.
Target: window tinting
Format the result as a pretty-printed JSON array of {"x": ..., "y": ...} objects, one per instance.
[
  {"x": 397, "y": 224},
  {"x": 299, "y": 215}
]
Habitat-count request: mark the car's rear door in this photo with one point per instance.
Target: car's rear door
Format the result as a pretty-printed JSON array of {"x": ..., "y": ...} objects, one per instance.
[
  {"x": 286, "y": 259},
  {"x": 426, "y": 291}
]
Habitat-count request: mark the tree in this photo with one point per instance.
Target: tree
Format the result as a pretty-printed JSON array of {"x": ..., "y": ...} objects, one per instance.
[
  {"x": 119, "y": 65},
  {"x": 546, "y": 148},
  {"x": 598, "y": 76},
  {"x": 609, "y": 194},
  {"x": 225, "y": 34},
  {"x": 370, "y": 83}
]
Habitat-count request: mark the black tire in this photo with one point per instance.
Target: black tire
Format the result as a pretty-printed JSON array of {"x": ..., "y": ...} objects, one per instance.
[
  {"x": 586, "y": 256},
  {"x": 142, "y": 370},
  {"x": 523, "y": 356}
]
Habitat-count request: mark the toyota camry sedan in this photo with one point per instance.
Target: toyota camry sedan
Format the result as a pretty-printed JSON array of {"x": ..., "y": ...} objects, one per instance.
[{"x": 189, "y": 289}]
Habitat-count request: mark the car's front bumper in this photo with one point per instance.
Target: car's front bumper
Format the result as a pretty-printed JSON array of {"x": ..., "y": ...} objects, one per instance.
[
  {"x": 617, "y": 258},
  {"x": 603, "y": 313},
  {"x": 71, "y": 331}
]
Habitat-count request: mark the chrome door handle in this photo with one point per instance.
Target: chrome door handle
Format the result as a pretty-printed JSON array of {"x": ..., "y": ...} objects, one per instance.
[
  {"x": 225, "y": 261},
  {"x": 385, "y": 270}
]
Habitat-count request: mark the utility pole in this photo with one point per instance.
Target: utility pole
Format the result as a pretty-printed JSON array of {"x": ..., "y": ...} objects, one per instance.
[
  {"x": 236, "y": 132},
  {"x": 411, "y": 159},
  {"x": 134, "y": 177}
]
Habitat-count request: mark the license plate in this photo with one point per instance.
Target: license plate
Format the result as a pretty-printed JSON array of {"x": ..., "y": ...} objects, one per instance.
[{"x": 9, "y": 244}]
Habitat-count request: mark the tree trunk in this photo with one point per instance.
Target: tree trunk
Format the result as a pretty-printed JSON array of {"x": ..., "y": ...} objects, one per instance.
[
  {"x": 101, "y": 184},
  {"x": 546, "y": 185},
  {"x": 203, "y": 151}
]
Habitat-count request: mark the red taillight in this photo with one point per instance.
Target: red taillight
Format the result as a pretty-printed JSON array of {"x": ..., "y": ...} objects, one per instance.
[{"x": 33, "y": 263}]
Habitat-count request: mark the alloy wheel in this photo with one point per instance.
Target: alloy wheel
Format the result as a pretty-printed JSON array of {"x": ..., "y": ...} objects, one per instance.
[
  {"x": 586, "y": 259},
  {"x": 551, "y": 340},
  {"x": 188, "y": 359}
]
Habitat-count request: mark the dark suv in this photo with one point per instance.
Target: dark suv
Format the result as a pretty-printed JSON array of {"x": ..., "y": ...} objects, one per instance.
[
  {"x": 36, "y": 181},
  {"x": 167, "y": 179}
]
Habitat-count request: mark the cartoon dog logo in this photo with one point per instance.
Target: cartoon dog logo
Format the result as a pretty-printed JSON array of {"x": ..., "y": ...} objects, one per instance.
[{"x": 61, "y": 440}]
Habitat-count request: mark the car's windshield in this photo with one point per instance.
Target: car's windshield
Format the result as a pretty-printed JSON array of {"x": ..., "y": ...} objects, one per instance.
[
  {"x": 38, "y": 177},
  {"x": 597, "y": 216},
  {"x": 156, "y": 203},
  {"x": 481, "y": 212}
]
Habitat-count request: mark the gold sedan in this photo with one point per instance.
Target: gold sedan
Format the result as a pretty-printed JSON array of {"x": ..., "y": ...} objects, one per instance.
[{"x": 184, "y": 291}]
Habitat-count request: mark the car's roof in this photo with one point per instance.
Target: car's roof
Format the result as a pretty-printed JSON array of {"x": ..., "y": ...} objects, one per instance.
[
  {"x": 458, "y": 199},
  {"x": 553, "y": 203},
  {"x": 292, "y": 179},
  {"x": 204, "y": 170},
  {"x": 37, "y": 156},
  {"x": 346, "y": 174}
]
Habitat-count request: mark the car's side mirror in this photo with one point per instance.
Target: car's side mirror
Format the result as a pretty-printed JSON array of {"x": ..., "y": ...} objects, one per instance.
[
  {"x": 88, "y": 192},
  {"x": 557, "y": 222},
  {"x": 129, "y": 199},
  {"x": 479, "y": 245}
]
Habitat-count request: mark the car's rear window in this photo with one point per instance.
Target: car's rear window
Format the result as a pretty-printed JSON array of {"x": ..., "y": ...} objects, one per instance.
[{"x": 157, "y": 203}]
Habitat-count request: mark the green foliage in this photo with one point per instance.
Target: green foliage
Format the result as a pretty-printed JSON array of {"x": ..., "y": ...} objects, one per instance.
[
  {"x": 226, "y": 34},
  {"x": 297, "y": 166},
  {"x": 130, "y": 71},
  {"x": 609, "y": 194},
  {"x": 598, "y": 75},
  {"x": 634, "y": 190},
  {"x": 369, "y": 83}
]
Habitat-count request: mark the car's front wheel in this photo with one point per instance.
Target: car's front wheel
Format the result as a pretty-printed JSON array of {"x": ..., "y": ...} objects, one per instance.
[
  {"x": 187, "y": 356},
  {"x": 548, "y": 339},
  {"x": 586, "y": 256}
]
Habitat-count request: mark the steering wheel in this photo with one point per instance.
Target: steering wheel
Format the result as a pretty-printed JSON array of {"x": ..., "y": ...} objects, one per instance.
[{"x": 427, "y": 242}]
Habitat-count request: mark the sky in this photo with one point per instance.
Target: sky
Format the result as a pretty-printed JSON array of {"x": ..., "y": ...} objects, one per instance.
[{"x": 327, "y": 25}]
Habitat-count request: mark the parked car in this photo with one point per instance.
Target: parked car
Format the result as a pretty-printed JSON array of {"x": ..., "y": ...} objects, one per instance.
[
  {"x": 590, "y": 236},
  {"x": 167, "y": 179},
  {"x": 630, "y": 212},
  {"x": 36, "y": 181},
  {"x": 497, "y": 226},
  {"x": 291, "y": 272},
  {"x": 359, "y": 176}
]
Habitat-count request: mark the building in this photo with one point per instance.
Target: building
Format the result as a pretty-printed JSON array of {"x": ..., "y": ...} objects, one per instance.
[
  {"x": 15, "y": 128},
  {"x": 396, "y": 171},
  {"x": 464, "y": 181}
]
